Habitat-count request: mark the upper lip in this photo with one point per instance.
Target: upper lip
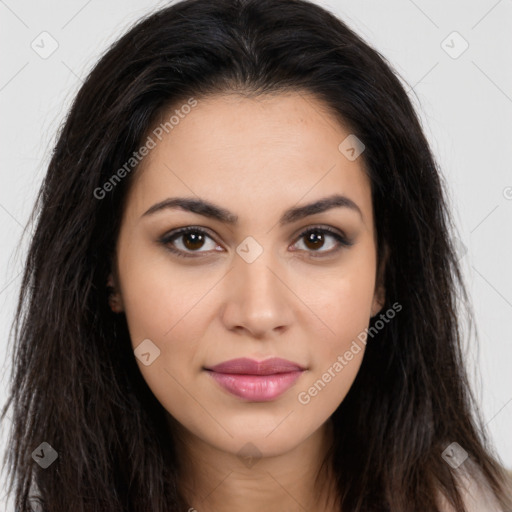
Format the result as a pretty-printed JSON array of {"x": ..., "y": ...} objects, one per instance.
[{"x": 248, "y": 366}]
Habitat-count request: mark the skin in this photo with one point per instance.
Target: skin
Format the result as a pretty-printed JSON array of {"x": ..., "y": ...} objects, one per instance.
[{"x": 255, "y": 158}]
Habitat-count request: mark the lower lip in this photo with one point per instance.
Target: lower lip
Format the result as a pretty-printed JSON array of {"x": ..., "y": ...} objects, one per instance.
[{"x": 257, "y": 388}]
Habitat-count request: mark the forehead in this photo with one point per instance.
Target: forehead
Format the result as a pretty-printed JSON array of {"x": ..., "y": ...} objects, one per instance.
[{"x": 266, "y": 152}]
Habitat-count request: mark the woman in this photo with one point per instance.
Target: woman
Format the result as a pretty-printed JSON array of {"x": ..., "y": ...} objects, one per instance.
[{"x": 241, "y": 292}]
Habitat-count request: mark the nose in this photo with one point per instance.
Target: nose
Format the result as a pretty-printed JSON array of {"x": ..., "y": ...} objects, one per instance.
[{"x": 259, "y": 302}]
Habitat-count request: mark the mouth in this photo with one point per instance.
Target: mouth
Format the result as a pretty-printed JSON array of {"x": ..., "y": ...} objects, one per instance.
[{"x": 257, "y": 381}]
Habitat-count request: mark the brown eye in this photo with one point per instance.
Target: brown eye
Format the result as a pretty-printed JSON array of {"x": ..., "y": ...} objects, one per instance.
[
  {"x": 315, "y": 239},
  {"x": 193, "y": 240},
  {"x": 187, "y": 241}
]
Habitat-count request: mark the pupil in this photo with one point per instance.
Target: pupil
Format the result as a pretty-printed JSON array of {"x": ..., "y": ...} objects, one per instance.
[
  {"x": 315, "y": 238},
  {"x": 193, "y": 240}
]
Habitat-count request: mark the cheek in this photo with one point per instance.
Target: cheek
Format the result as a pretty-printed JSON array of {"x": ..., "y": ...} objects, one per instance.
[
  {"x": 164, "y": 308},
  {"x": 158, "y": 296},
  {"x": 344, "y": 306},
  {"x": 169, "y": 306},
  {"x": 343, "y": 299}
]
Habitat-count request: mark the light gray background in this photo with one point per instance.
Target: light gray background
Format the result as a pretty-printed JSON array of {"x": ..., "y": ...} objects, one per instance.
[{"x": 465, "y": 105}]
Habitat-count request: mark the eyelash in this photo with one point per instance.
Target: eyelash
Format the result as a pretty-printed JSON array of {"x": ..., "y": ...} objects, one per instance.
[{"x": 169, "y": 237}]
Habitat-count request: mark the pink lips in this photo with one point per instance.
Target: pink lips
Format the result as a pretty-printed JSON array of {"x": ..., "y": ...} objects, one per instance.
[{"x": 256, "y": 381}]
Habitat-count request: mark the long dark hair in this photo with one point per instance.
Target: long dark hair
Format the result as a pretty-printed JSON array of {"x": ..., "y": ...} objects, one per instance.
[{"x": 76, "y": 385}]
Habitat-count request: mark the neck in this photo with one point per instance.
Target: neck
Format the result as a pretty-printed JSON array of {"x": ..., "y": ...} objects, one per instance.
[{"x": 213, "y": 480}]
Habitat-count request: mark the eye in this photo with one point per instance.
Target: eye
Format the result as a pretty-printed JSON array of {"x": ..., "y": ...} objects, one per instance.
[
  {"x": 315, "y": 238},
  {"x": 186, "y": 241}
]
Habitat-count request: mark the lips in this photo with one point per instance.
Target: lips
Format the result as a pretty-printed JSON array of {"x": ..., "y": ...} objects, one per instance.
[{"x": 259, "y": 381}]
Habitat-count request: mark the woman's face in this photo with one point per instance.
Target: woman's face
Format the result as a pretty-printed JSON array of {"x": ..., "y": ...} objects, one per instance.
[{"x": 252, "y": 279}]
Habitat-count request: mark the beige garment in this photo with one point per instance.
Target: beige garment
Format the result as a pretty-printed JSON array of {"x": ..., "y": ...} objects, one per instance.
[{"x": 477, "y": 496}]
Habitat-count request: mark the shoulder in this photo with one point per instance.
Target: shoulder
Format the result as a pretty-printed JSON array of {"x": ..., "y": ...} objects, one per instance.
[{"x": 476, "y": 494}]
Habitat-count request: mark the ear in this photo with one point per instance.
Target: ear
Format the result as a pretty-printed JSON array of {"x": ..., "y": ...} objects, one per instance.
[
  {"x": 379, "y": 297},
  {"x": 115, "y": 300},
  {"x": 378, "y": 301}
]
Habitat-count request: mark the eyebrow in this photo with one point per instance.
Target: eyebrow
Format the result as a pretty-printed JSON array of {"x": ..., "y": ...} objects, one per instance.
[{"x": 213, "y": 211}]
